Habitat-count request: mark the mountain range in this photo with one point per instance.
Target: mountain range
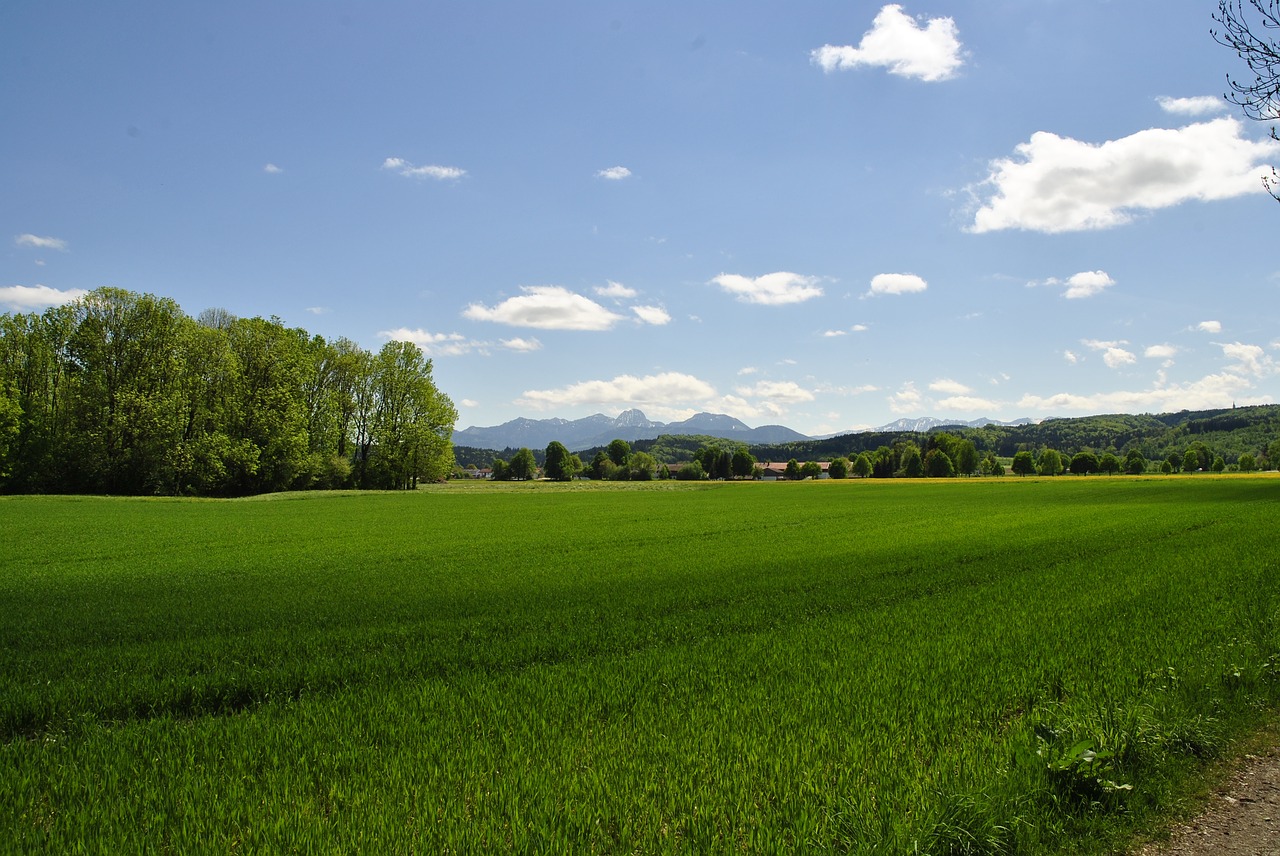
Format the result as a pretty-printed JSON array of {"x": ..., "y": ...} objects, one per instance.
[{"x": 631, "y": 425}]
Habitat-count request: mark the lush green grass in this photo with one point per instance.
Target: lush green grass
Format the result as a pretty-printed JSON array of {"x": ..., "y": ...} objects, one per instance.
[{"x": 959, "y": 666}]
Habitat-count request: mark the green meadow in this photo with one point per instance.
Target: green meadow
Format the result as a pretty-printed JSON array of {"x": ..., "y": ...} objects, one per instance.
[{"x": 878, "y": 666}]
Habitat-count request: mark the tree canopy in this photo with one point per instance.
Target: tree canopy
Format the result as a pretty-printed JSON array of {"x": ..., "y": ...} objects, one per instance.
[{"x": 118, "y": 392}]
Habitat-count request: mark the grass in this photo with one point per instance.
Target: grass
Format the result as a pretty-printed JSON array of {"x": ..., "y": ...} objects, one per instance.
[{"x": 1012, "y": 666}]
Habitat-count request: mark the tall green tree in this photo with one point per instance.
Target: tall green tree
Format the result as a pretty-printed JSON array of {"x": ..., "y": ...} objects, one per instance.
[
  {"x": 413, "y": 420},
  {"x": 523, "y": 466},
  {"x": 1024, "y": 464},
  {"x": 558, "y": 464}
]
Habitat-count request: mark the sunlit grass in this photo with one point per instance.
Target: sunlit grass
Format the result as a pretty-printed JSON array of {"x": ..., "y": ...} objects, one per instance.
[{"x": 1013, "y": 666}]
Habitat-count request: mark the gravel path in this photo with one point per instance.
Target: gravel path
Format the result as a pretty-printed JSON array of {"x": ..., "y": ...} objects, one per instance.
[{"x": 1242, "y": 819}]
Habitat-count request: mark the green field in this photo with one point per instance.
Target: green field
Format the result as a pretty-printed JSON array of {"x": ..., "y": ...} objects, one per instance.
[{"x": 1023, "y": 666}]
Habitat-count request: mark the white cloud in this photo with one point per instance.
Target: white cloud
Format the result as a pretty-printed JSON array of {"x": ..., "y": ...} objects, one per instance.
[
  {"x": 1112, "y": 354},
  {"x": 469, "y": 402},
  {"x": 859, "y": 328},
  {"x": 772, "y": 289},
  {"x": 898, "y": 43},
  {"x": 272, "y": 169},
  {"x": 950, "y": 387},
  {"x": 614, "y": 173},
  {"x": 832, "y": 334},
  {"x": 546, "y": 307},
  {"x": 1160, "y": 352},
  {"x": 440, "y": 173},
  {"x": 1057, "y": 184},
  {"x": 28, "y": 298},
  {"x": 1084, "y": 284},
  {"x": 1071, "y": 357},
  {"x": 906, "y": 400},
  {"x": 40, "y": 243},
  {"x": 655, "y": 315},
  {"x": 521, "y": 344},
  {"x": 319, "y": 310},
  {"x": 968, "y": 403},
  {"x": 783, "y": 392},
  {"x": 1200, "y": 105},
  {"x": 615, "y": 290},
  {"x": 1249, "y": 359},
  {"x": 748, "y": 370},
  {"x": 669, "y": 389},
  {"x": 896, "y": 283},
  {"x": 1213, "y": 391},
  {"x": 1209, "y": 326},
  {"x": 432, "y": 344},
  {"x": 829, "y": 389}
]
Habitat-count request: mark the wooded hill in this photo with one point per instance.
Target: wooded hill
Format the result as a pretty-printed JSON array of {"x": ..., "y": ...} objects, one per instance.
[{"x": 1229, "y": 432}]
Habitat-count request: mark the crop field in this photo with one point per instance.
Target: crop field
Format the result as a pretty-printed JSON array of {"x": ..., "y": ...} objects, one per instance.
[{"x": 963, "y": 666}]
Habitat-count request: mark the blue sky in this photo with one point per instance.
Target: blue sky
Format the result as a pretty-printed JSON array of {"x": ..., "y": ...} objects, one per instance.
[{"x": 824, "y": 215}]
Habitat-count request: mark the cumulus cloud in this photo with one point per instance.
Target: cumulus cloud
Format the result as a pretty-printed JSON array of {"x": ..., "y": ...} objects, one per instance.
[
  {"x": 1112, "y": 354},
  {"x": 40, "y": 243},
  {"x": 1248, "y": 359},
  {"x": 898, "y": 42},
  {"x": 780, "y": 391},
  {"x": 1210, "y": 392},
  {"x": 896, "y": 283},
  {"x": 521, "y": 344},
  {"x": 432, "y": 344},
  {"x": 1199, "y": 105},
  {"x": 655, "y": 315},
  {"x": 1084, "y": 284},
  {"x": 272, "y": 169},
  {"x": 950, "y": 387},
  {"x": 615, "y": 290},
  {"x": 906, "y": 400},
  {"x": 1071, "y": 357},
  {"x": 1160, "y": 352},
  {"x": 1209, "y": 326},
  {"x": 1057, "y": 184},
  {"x": 469, "y": 402},
  {"x": 669, "y": 389},
  {"x": 440, "y": 173},
  {"x": 859, "y": 328},
  {"x": 28, "y": 298},
  {"x": 772, "y": 289},
  {"x": 832, "y": 334},
  {"x": 546, "y": 307},
  {"x": 614, "y": 173}
]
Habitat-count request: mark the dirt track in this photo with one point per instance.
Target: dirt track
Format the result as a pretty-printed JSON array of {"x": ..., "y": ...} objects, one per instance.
[{"x": 1242, "y": 819}]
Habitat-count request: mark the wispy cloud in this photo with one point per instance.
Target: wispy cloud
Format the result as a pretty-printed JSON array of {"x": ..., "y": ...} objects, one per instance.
[
  {"x": 772, "y": 289},
  {"x": 950, "y": 387},
  {"x": 40, "y": 243},
  {"x": 1213, "y": 391},
  {"x": 1199, "y": 105},
  {"x": 1084, "y": 284},
  {"x": 1209, "y": 326},
  {"x": 546, "y": 307},
  {"x": 614, "y": 173},
  {"x": 906, "y": 400},
  {"x": 1057, "y": 184},
  {"x": 319, "y": 310},
  {"x": 272, "y": 169},
  {"x": 27, "y": 298},
  {"x": 521, "y": 344},
  {"x": 440, "y": 173},
  {"x": 967, "y": 404},
  {"x": 616, "y": 291},
  {"x": 896, "y": 283},
  {"x": 780, "y": 391},
  {"x": 833, "y": 334},
  {"x": 898, "y": 42}
]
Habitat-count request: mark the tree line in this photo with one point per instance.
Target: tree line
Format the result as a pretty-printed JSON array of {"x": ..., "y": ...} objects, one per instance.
[{"x": 123, "y": 393}]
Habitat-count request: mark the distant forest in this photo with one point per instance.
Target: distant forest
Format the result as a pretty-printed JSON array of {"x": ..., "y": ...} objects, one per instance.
[{"x": 1229, "y": 433}]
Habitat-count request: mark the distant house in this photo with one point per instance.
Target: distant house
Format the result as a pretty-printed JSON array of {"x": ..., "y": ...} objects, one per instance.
[
  {"x": 474, "y": 472},
  {"x": 778, "y": 472}
]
